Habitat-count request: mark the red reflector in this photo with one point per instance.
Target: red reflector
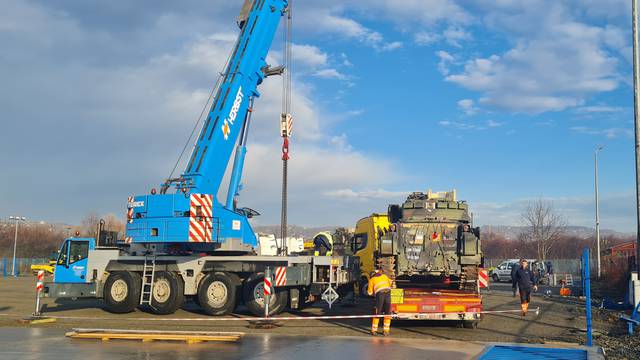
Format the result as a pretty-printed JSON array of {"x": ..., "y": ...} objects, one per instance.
[{"x": 447, "y": 280}]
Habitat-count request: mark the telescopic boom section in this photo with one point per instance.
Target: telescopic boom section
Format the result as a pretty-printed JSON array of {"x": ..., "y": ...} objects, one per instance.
[
  {"x": 245, "y": 71},
  {"x": 192, "y": 217}
]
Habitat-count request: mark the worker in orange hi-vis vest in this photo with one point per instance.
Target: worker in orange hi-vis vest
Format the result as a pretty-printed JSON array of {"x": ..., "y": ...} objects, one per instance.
[{"x": 380, "y": 285}]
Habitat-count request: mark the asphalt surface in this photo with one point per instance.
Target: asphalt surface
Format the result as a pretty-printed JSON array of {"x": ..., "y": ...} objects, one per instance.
[
  {"x": 560, "y": 320},
  {"x": 36, "y": 343}
]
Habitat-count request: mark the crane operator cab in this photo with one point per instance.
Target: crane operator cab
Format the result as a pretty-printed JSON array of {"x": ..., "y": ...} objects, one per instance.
[{"x": 71, "y": 266}]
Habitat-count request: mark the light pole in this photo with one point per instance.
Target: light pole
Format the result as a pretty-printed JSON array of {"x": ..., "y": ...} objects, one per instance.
[
  {"x": 15, "y": 242},
  {"x": 636, "y": 120},
  {"x": 595, "y": 155}
]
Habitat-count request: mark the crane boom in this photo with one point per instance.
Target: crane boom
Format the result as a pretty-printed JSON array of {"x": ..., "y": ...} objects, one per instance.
[{"x": 193, "y": 214}]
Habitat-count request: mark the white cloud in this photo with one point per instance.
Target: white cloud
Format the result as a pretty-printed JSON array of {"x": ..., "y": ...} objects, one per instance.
[
  {"x": 463, "y": 125},
  {"x": 493, "y": 123},
  {"x": 557, "y": 62},
  {"x": 609, "y": 133},
  {"x": 340, "y": 142},
  {"x": 454, "y": 35},
  {"x": 330, "y": 19},
  {"x": 599, "y": 109},
  {"x": 365, "y": 194},
  {"x": 330, "y": 74},
  {"x": 309, "y": 55},
  {"x": 133, "y": 116},
  {"x": 356, "y": 112},
  {"x": 467, "y": 106},
  {"x": 616, "y": 210},
  {"x": 446, "y": 60},
  {"x": 424, "y": 38},
  {"x": 345, "y": 60},
  {"x": 390, "y": 46},
  {"x": 409, "y": 13}
]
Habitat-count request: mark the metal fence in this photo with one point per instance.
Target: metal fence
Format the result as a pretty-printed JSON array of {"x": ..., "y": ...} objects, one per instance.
[
  {"x": 23, "y": 266},
  {"x": 560, "y": 266}
]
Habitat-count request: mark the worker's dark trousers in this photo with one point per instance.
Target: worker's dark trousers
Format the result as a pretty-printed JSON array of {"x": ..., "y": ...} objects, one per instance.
[
  {"x": 525, "y": 298},
  {"x": 383, "y": 307}
]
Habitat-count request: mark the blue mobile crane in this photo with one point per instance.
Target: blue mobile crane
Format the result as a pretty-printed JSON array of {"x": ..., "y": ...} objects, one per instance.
[
  {"x": 192, "y": 216},
  {"x": 181, "y": 242}
]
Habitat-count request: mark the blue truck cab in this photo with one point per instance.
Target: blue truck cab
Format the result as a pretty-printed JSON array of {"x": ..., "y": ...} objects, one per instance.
[{"x": 71, "y": 266}]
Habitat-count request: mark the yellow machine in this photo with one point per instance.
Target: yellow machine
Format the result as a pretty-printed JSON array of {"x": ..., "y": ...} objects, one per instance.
[
  {"x": 48, "y": 268},
  {"x": 365, "y": 241}
]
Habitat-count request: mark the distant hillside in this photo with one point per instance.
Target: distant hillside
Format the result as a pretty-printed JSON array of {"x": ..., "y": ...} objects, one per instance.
[
  {"x": 509, "y": 232},
  {"x": 512, "y": 232}
]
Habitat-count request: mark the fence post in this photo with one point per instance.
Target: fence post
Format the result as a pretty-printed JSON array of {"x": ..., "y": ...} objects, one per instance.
[{"x": 587, "y": 291}]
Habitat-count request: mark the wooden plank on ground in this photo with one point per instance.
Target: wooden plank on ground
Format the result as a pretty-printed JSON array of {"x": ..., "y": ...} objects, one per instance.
[{"x": 190, "y": 337}]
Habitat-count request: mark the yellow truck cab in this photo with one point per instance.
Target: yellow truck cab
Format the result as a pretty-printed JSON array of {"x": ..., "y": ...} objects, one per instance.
[{"x": 365, "y": 242}]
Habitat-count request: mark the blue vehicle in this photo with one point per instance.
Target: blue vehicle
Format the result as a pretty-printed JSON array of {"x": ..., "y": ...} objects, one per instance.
[{"x": 181, "y": 241}]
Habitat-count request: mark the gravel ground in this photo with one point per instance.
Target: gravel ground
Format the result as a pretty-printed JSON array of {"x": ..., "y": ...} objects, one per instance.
[{"x": 560, "y": 320}]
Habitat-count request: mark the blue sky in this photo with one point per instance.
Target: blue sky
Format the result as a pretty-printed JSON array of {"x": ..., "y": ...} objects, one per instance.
[{"x": 503, "y": 100}]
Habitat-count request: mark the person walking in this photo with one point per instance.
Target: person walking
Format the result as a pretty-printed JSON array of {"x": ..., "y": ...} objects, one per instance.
[
  {"x": 514, "y": 269},
  {"x": 526, "y": 282},
  {"x": 380, "y": 286}
]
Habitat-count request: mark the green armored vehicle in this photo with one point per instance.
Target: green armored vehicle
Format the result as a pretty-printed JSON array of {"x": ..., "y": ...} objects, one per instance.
[{"x": 431, "y": 238}]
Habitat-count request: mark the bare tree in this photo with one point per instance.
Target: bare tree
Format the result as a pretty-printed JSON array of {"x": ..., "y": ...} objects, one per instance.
[
  {"x": 89, "y": 224},
  {"x": 544, "y": 226}
]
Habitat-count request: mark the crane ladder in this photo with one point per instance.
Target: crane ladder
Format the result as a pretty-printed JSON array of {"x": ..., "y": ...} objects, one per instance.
[{"x": 148, "y": 276}]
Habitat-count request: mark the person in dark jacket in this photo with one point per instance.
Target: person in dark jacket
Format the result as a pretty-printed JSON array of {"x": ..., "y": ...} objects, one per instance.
[
  {"x": 514, "y": 268},
  {"x": 526, "y": 282}
]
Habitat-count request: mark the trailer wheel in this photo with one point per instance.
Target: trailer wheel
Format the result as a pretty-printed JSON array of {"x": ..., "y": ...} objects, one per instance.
[
  {"x": 122, "y": 292},
  {"x": 470, "y": 324},
  {"x": 217, "y": 294},
  {"x": 253, "y": 294},
  {"x": 363, "y": 285},
  {"x": 168, "y": 293}
]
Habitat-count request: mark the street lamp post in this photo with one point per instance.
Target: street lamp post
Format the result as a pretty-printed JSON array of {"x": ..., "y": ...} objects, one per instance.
[
  {"x": 15, "y": 242},
  {"x": 595, "y": 155},
  {"x": 636, "y": 120}
]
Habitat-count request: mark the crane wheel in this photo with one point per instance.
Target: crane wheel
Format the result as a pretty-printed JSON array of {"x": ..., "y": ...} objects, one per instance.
[
  {"x": 167, "y": 295},
  {"x": 218, "y": 294},
  {"x": 122, "y": 292},
  {"x": 362, "y": 287},
  {"x": 253, "y": 295}
]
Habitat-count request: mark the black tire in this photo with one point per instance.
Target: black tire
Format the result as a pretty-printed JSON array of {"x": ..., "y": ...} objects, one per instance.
[
  {"x": 122, "y": 292},
  {"x": 218, "y": 294},
  {"x": 495, "y": 278},
  {"x": 470, "y": 324},
  {"x": 168, "y": 293},
  {"x": 363, "y": 284},
  {"x": 253, "y": 295}
]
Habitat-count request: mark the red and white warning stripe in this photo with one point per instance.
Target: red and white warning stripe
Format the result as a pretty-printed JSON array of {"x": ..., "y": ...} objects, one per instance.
[
  {"x": 129, "y": 209},
  {"x": 281, "y": 276},
  {"x": 267, "y": 286},
  {"x": 200, "y": 214},
  {"x": 483, "y": 278},
  {"x": 39, "y": 284}
]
